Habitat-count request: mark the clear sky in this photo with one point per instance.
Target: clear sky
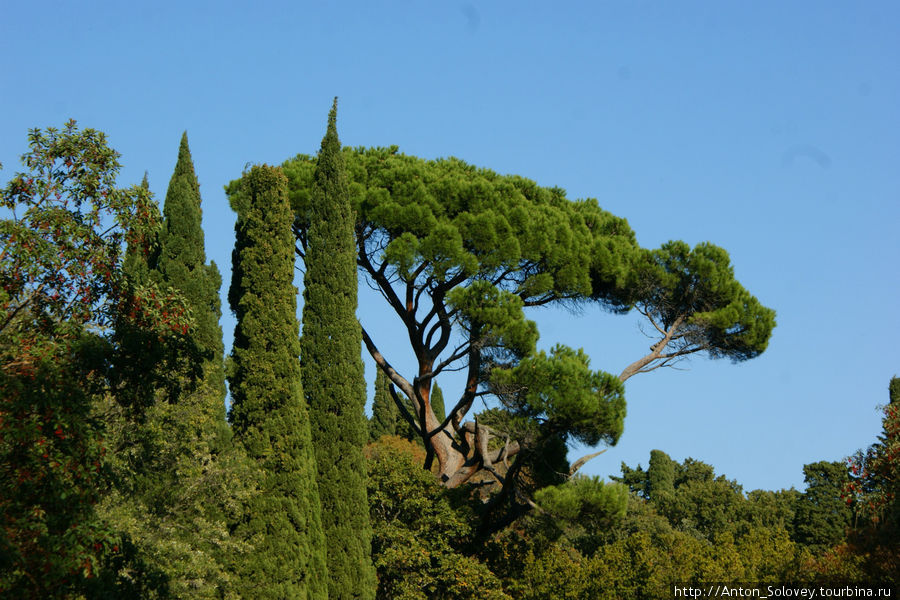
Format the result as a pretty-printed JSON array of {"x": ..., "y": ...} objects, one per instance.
[{"x": 769, "y": 128}]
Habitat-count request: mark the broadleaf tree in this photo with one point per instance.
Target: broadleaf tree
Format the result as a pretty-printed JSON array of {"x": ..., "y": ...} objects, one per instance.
[{"x": 62, "y": 241}]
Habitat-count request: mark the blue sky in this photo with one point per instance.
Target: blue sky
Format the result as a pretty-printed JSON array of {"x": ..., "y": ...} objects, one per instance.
[{"x": 768, "y": 128}]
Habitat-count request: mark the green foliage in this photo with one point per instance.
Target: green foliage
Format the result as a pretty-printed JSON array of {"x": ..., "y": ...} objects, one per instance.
[
  {"x": 873, "y": 491},
  {"x": 333, "y": 379},
  {"x": 460, "y": 253},
  {"x": 182, "y": 256},
  {"x": 51, "y": 474},
  {"x": 268, "y": 413},
  {"x": 117, "y": 478},
  {"x": 385, "y": 415},
  {"x": 495, "y": 316},
  {"x": 637, "y": 480},
  {"x": 703, "y": 508},
  {"x": 149, "y": 369},
  {"x": 471, "y": 250},
  {"x": 822, "y": 516},
  {"x": 772, "y": 509},
  {"x": 586, "y": 500},
  {"x": 695, "y": 501},
  {"x": 661, "y": 474},
  {"x": 693, "y": 300},
  {"x": 699, "y": 528},
  {"x": 174, "y": 501},
  {"x": 182, "y": 265},
  {"x": 62, "y": 288},
  {"x": 561, "y": 392},
  {"x": 420, "y": 533},
  {"x": 557, "y": 572},
  {"x": 179, "y": 481},
  {"x": 875, "y": 474},
  {"x": 580, "y": 509},
  {"x": 644, "y": 554},
  {"x": 437, "y": 402}
]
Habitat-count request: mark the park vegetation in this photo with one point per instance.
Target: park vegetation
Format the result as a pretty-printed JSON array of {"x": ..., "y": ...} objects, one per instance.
[{"x": 121, "y": 475}]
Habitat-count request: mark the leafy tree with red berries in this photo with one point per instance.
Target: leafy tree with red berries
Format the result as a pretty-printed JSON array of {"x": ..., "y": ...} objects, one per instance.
[
  {"x": 873, "y": 491},
  {"x": 62, "y": 242}
]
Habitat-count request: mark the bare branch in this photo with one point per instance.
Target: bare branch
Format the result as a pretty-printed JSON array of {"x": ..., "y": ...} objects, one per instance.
[
  {"x": 644, "y": 311},
  {"x": 403, "y": 410},
  {"x": 379, "y": 276},
  {"x": 458, "y": 352},
  {"x": 584, "y": 459},
  {"x": 385, "y": 366}
]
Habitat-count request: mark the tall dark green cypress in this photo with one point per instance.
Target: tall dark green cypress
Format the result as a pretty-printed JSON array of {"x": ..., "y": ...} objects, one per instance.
[
  {"x": 173, "y": 451},
  {"x": 660, "y": 475},
  {"x": 195, "y": 436},
  {"x": 182, "y": 265},
  {"x": 268, "y": 412},
  {"x": 384, "y": 410},
  {"x": 333, "y": 375}
]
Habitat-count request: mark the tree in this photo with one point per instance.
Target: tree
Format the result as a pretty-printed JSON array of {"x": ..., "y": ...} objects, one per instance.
[
  {"x": 582, "y": 509},
  {"x": 873, "y": 492},
  {"x": 437, "y": 402},
  {"x": 384, "y": 411},
  {"x": 694, "y": 304},
  {"x": 822, "y": 516},
  {"x": 268, "y": 412},
  {"x": 182, "y": 265},
  {"x": 386, "y": 417},
  {"x": 460, "y": 253},
  {"x": 61, "y": 253},
  {"x": 689, "y": 495},
  {"x": 875, "y": 472},
  {"x": 420, "y": 534},
  {"x": 455, "y": 249},
  {"x": 181, "y": 481},
  {"x": 661, "y": 473},
  {"x": 333, "y": 379}
]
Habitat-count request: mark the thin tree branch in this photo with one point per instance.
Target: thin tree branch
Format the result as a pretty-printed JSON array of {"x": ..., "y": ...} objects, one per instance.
[
  {"x": 385, "y": 366},
  {"x": 584, "y": 459}
]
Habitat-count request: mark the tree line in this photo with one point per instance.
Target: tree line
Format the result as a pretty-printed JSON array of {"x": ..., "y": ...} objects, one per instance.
[{"x": 123, "y": 476}]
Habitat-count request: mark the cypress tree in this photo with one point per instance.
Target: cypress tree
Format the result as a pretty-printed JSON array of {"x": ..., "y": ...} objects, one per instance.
[
  {"x": 384, "y": 410},
  {"x": 660, "y": 474},
  {"x": 333, "y": 375},
  {"x": 175, "y": 449},
  {"x": 437, "y": 402},
  {"x": 268, "y": 412},
  {"x": 182, "y": 265},
  {"x": 821, "y": 515}
]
